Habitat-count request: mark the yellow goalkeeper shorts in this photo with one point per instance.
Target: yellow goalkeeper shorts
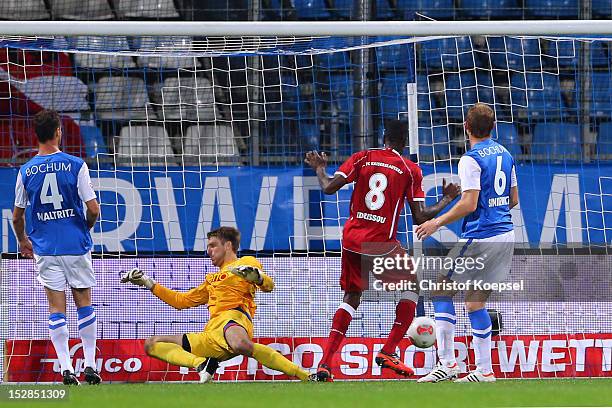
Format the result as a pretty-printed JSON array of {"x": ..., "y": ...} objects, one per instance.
[{"x": 211, "y": 342}]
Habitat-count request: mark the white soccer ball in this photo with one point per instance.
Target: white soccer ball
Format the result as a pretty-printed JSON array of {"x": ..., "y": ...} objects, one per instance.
[{"x": 422, "y": 332}]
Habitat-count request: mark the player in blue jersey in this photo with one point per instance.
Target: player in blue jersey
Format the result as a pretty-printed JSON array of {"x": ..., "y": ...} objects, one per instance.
[
  {"x": 489, "y": 191},
  {"x": 55, "y": 185}
]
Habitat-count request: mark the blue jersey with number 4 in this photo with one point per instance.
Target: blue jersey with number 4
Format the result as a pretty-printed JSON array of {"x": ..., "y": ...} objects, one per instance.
[
  {"x": 492, "y": 215},
  {"x": 55, "y": 219}
]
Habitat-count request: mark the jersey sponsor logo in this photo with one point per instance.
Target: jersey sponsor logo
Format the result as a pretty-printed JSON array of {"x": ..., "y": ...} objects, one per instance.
[
  {"x": 371, "y": 217},
  {"x": 48, "y": 168},
  {"x": 487, "y": 151},
  {"x": 385, "y": 165},
  {"x": 216, "y": 277},
  {"x": 498, "y": 201},
  {"x": 55, "y": 215}
]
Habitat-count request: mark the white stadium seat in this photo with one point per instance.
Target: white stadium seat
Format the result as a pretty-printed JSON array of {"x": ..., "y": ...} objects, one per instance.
[
  {"x": 191, "y": 99},
  {"x": 102, "y": 61},
  {"x": 23, "y": 10},
  {"x": 166, "y": 43},
  {"x": 122, "y": 98},
  {"x": 81, "y": 9},
  {"x": 144, "y": 145},
  {"x": 62, "y": 93},
  {"x": 210, "y": 144},
  {"x": 146, "y": 8}
]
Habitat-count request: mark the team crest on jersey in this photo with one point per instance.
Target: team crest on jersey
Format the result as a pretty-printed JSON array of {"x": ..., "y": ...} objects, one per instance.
[{"x": 216, "y": 277}]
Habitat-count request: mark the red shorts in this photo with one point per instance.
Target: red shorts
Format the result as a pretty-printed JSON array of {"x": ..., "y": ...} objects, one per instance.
[{"x": 356, "y": 268}]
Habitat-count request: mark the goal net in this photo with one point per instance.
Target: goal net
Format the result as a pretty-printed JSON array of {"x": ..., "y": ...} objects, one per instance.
[{"x": 183, "y": 134}]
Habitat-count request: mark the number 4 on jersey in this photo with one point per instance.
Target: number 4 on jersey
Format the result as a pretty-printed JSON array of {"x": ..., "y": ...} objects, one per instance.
[{"x": 49, "y": 193}]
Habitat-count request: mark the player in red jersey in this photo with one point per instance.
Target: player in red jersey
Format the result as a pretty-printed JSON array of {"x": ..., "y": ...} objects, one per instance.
[{"x": 383, "y": 180}]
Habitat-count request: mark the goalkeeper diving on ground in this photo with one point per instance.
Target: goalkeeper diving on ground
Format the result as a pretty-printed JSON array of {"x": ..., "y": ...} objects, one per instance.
[{"x": 230, "y": 296}]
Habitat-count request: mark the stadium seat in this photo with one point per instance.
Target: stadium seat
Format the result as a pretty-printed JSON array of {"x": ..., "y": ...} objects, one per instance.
[
  {"x": 25, "y": 142},
  {"x": 121, "y": 98},
  {"x": 506, "y": 134},
  {"x": 93, "y": 141},
  {"x": 334, "y": 60},
  {"x": 394, "y": 56},
  {"x": 544, "y": 96},
  {"x": 210, "y": 144},
  {"x": 311, "y": 10},
  {"x": 557, "y": 140},
  {"x": 190, "y": 98},
  {"x": 513, "y": 53},
  {"x": 310, "y": 135},
  {"x": 23, "y": 10},
  {"x": 393, "y": 94},
  {"x": 62, "y": 93},
  {"x": 165, "y": 43},
  {"x": 145, "y": 9},
  {"x": 552, "y": 8},
  {"x": 436, "y": 9},
  {"x": 602, "y": 8},
  {"x": 81, "y": 9},
  {"x": 487, "y": 9},
  {"x": 102, "y": 61},
  {"x": 426, "y": 103},
  {"x": 440, "y": 53},
  {"x": 144, "y": 145},
  {"x": 604, "y": 139},
  {"x": 436, "y": 141},
  {"x": 601, "y": 88},
  {"x": 341, "y": 96}
]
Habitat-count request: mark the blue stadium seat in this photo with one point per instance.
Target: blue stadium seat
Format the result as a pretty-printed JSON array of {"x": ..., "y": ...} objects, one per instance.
[
  {"x": 514, "y": 53},
  {"x": 599, "y": 54},
  {"x": 602, "y": 8},
  {"x": 544, "y": 96},
  {"x": 341, "y": 95},
  {"x": 311, "y": 10},
  {"x": 435, "y": 140},
  {"x": 394, "y": 56},
  {"x": 385, "y": 11},
  {"x": 490, "y": 8},
  {"x": 507, "y": 135},
  {"x": 310, "y": 134},
  {"x": 604, "y": 139},
  {"x": 552, "y": 8},
  {"x": 556, "y": 140},
  {"x": 393, "y": 95},
  {"x": 601, "y": 94},
  {"x": 427, "y": 106},
  {"x": 93, "y": 140},
  {"x": 436, "y": 9},
  {"x": 333, "y": 60},
  {"x": 436, "y": 53}
]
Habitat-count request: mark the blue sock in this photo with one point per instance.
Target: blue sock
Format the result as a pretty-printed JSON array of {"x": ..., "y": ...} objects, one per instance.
[
  {"x": 446, "y": 318},
  {"x": 88, "y": 330},
  {"x": 481, "y": 340}
]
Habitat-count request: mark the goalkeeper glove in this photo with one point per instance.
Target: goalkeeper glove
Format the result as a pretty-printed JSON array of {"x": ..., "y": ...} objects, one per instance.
[
  {"x": 138, "y": 277},
  {"x": 248, "y": 273}
]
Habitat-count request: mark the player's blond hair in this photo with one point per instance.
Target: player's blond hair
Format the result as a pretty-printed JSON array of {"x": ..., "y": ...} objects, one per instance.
[{"x": 480, "y": 120}]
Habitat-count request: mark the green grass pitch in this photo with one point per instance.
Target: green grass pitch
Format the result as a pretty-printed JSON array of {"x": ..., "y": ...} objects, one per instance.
[{"x": 511, "y": 393}]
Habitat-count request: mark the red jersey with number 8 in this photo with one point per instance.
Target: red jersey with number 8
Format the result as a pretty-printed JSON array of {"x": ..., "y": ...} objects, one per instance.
[{"x": 383, "y": 179}]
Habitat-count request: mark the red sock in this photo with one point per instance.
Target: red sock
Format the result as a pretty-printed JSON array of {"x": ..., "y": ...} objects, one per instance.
[
  {"x": 340, "y": 323},
  {"x": 404, "y": 314}
]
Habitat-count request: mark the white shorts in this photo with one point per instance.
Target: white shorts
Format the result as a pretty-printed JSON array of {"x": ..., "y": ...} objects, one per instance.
[
  {"x": 55, "y": 271},
  {"x": 491, "y": 259}
]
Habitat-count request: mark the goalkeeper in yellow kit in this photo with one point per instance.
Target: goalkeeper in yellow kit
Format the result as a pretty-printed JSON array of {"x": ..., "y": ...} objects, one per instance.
[{"x": 230, "y": 295}]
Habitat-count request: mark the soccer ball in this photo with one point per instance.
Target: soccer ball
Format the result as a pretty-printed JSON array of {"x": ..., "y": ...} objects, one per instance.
[{"x": 422, "y": 332}]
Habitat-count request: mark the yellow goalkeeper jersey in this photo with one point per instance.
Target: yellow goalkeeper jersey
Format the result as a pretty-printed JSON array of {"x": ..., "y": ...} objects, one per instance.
[{"x": 222, "y": 290}]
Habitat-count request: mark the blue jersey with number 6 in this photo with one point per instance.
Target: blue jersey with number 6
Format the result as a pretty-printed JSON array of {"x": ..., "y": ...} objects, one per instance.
[
  {"x": 55, "y": 218},
  {"x": 488, "y": 167}
]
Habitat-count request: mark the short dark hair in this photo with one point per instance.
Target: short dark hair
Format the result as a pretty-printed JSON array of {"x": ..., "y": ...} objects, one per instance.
[
  {"x": 396, "y": 133},
  {"x": 480, "y": 120},
  {"x": 225, "y": 234},
  {"x": 46, "y": 123}
]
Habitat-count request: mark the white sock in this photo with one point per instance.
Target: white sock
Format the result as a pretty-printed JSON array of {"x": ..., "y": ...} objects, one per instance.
[
  {"x": 58, "y": 331},
  {"x": 88, "y": 329},
  {"x": 445, "y": 337},
  {"x": 482, "y": 354}
]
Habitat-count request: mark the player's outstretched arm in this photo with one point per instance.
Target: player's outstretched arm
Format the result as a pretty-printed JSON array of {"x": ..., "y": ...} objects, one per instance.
[
  {"x": 420, "y": 213},
  {"x": 194, "y": 297},
  {"x": 465, "y": 206},
  {"x": 328, "y": 184}
]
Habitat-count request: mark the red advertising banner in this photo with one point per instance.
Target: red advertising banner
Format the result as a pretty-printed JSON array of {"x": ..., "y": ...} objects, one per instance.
[{"x": 580, "y": 355}]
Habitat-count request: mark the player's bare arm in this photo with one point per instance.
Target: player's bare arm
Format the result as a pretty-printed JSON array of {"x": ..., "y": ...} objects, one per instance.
[
  {"x": 421, "y": 213},
  {"x": 25, "y": 246},
  {"x": 318, "y": 162},
  {"x": 93, "y": 212},
  {"x": 465, "y": 206},
  {"x": 514, "y": 197}
]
